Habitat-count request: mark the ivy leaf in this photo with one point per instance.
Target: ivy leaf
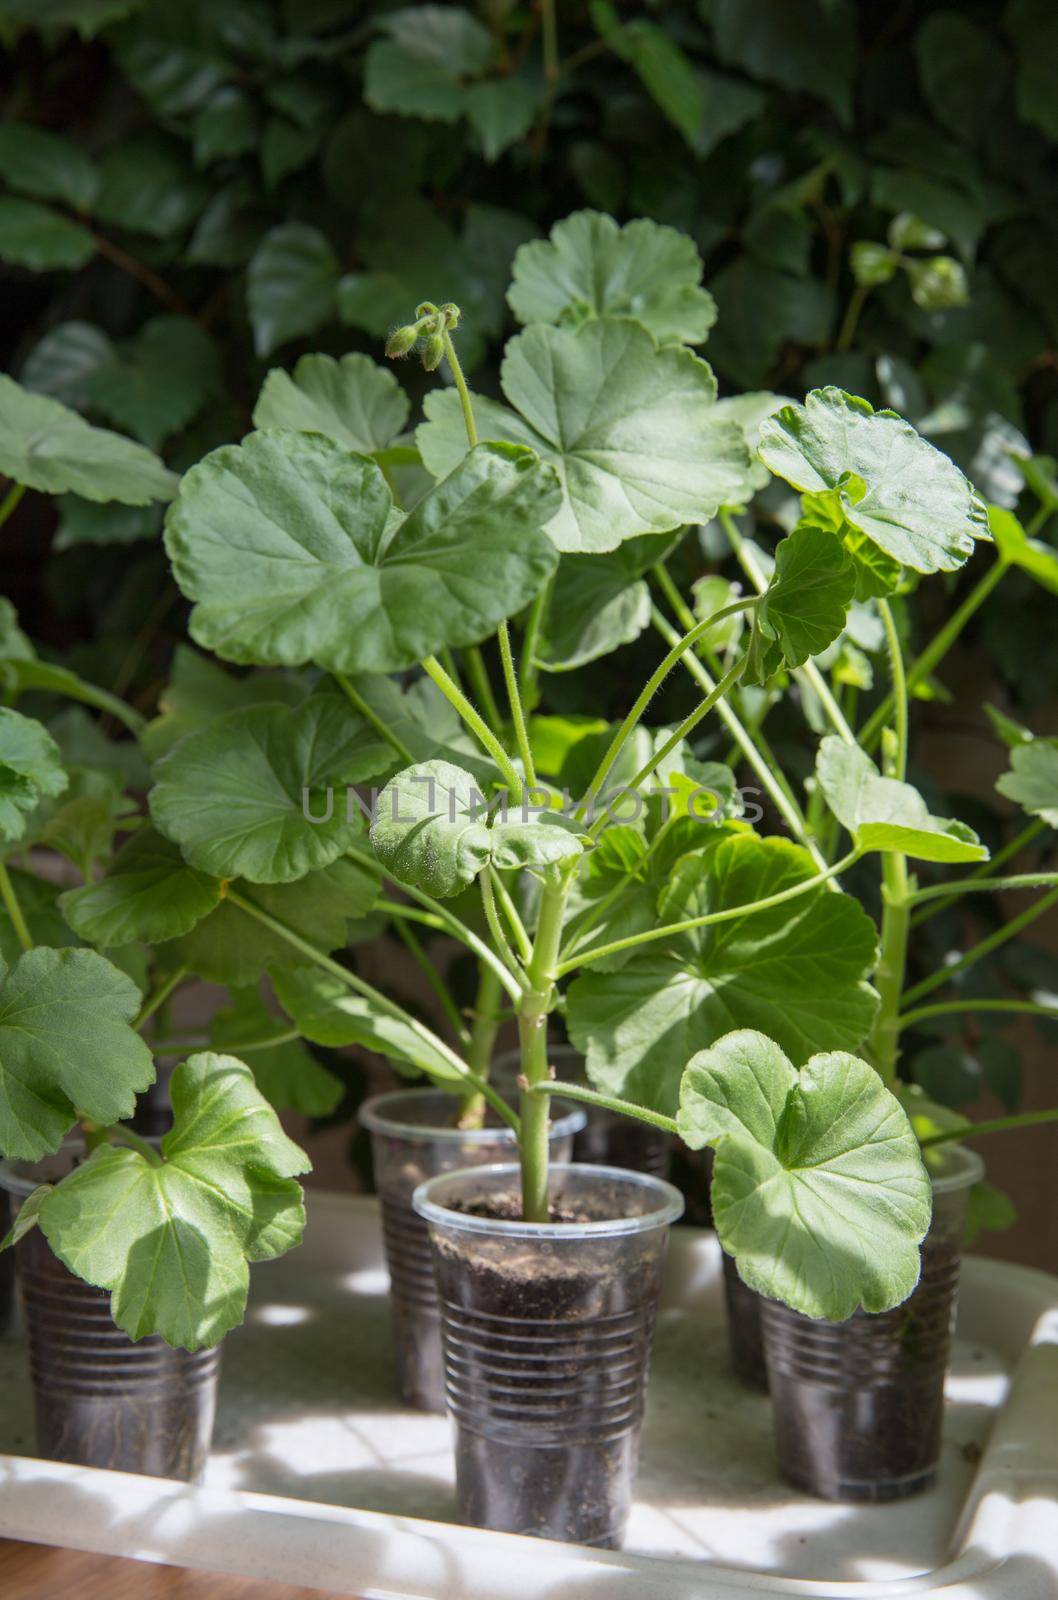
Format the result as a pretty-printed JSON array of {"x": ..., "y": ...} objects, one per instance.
[
  {"x": 908, "y": 498},
  {"x": 231, "y": 947},
  {"x": 43, "y": 240},
  {"x": 287, "y": 1074},
  {"x": 172, "y": 1239},
  {"x": 148, "y": 187},
  {"x": 798, "y": 969},
  {"x": 598, "y": 603},
  {"x": 66, "y": 1047},
  {"x": 819, "y": 1190},
  {"x": 294, "y": 552},
  {"x": 632, "y": 431},
  {"x": 360, "y": 406},
  {"x": 885, "y": 814},
  {"x": 30, "y": 768},
  {"x": 1032, "y": 781},
  {"x": 432, "y": 830},
  {"x": 148, "y": 894},
  {"x": 325, "y": 1010},
  {"x": 47, "y": 166},
  {"x": 1033, "y": 556},
  {"x": 262, "y": 793},
  {"x": 156, "y": 383},
  {"x": 803, "y": 45},
  {"x": 65, "y": 360},
  {"x": 417, "y": 70},
  {"x": 292, "y": 281},
  {"x": 47, "y": 447},
  {"x": 806, "y": 603},
  {"x": 501, "y": 111},
  {"x": 590, "y": 267}
]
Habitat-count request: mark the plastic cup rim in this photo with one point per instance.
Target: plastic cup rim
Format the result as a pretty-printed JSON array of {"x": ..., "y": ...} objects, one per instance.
[
  {"x": 670, "y": 1205},
  {"x": 373, "y": 1116}
]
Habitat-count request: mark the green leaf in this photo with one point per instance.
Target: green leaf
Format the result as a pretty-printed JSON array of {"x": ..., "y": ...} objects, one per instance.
[
  {"x": 263, "y": 793},
  {"x": 1034, "y": 28},
  {"x": 231, "y": 947},
  {"x": 760, "y": 311},
  {"x": 149, "y": 894},
  {"x": 66, "y": 1047},
  {"x": 285, "y": 148},
  {"x": 748, "y": 412},
  {"x": 30, "y": 768},
  {"x": 632, "y": 431},
  {"x": 148, "y": 187},
  {"x": 432, "y": 829},
  {"x": 33, "y": 236},
  {"x": 172, "y": 1239},
  {"x": 199, "y": 690},
  {"x": 806, "y": 603},
  {"x": 798, "y": 969},
  {"x": 902, "y": 493},
  {"x": 819, "y": 1190},
  {"x": 294, "y": 552},
  {"x": 1033, "y": 556},
  {"x": 1032, "y": 781},
  {"x": 598, "y": 603},
  {"x": 82, "y": 522},
  {"x": 47, "y": 166},
  {"x": 14, "y": 644},
  {"x": 38, "y": 901},
  {"x": 962, "y": 73},
  {"x": 292, "y": 281},
  {"x": 325, "y": 1010},
  {"x": 21, "y": 675},
  {"x": 589, "y": 267},
  {"x": 65, "y": 360},
  {"x": 87, "y": 16},
  {"x": 885, "y": 814},
  {"x": 417, "y": 71},
  {"x": 47, "y": 447},
  {"x": 352, "y": 401},
  {"x": 501, "y": 112},
  {"x": 805, "y": 45},
  {"x": 155, "y": 384},
  {"x": 228, "y": 124},
  {"x": 287, "y": 1074},
  {"x": 1010, "y": 732}
]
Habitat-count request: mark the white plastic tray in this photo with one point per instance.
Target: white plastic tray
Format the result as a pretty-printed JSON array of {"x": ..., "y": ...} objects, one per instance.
[{"x": 319, "y": 1478}]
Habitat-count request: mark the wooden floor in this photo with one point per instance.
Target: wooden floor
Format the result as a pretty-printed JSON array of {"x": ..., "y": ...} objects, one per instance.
[{"x": 39, "y": 1572}]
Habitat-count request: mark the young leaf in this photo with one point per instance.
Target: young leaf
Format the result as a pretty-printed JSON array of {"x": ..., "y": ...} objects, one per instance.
[
  {"x": 172, "y": 1239},
  {"x": 47, "y": 447},
  {"x": 263, "y": 793},
  {"x": 798, "y": 969},
  {"x": 287, "y": 1074},
  {"x": 293, "y": 550},
  {"x": 66, "y": 1047},
  {"x": 1033, "y": 556},
  {"x": 819, "y": 1190},
  {"x": 806, "y": 603},
  {"x": 360, "y": 406},
  {"x": 148, "y": 894},
  {"x": 325, "y": 1010},
  {"x": 589, "y": 267},
  {"x": 632, "y": 431},
  {"x": 292, "y": 281},
  {"x": 501, "y": 111},
  {"x": 432, "y": 830},
  {"x": 1033, "y": 779},
  {"x": 908, "y": 498},
  {"x": 885, "y": 814},
  {"x": 30, "y": 768}
]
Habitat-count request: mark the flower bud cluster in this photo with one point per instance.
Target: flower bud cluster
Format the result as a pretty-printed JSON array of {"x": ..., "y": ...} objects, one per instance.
[{"x": 426, "y": 334}]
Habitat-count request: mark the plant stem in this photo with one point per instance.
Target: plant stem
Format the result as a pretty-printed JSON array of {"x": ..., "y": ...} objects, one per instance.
[
  {"x": 549, "y": 40},
  {"x": 898, "y": 694},
  {"x": 711, "y": 917},
  {"x": 1013, "y": 848},
  {"x": 479, "y": 678},
  {"x": 160, "y": 995},
  {"x": 483, "y": 1033},
  {"x": 533, "y": 1011},
  {"x": 935, "y": 651},
  {"x": 808, "y": 673},
  {"x": 857, "y": 301},
  {"x": 135, "y": 1141},
  {"x": 948, "y": 1008},
  {"x": 477, "y": 725},
  {"x": 1024, "y": 1119},
  {"x": 510, "y": 910},
  {"x": 961, "y": 886},
  {"x": 784, "y": 804},
  {"x": 884, "y": 1042},
  {"x": 456, "y": 369},
  {"x": 414, "y": 946},
  {"x": 1009, "y": 931},
  {"x": 651, "y": 688},
  {"x": 357, "y": 700},
  {"x": 379, "y": 1000},
  {"x": 528, "y": 669},
  {"x": 499, "y": 938},
  {"x": 9, "y": 504},
  {"x": 607, "y": 1102},
  {"x": 142, "y": 273},
  {"x": 13, "y": 909},
  {"x": 510, "y": 678}
]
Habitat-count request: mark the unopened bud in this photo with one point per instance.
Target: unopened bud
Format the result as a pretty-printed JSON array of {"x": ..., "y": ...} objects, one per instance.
[
  {"x": 401, "y": 342},
  {"x": 433, "y": 351}
]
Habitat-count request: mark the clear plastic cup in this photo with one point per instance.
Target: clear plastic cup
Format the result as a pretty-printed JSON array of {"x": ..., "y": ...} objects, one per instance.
[
  {"x": 859, "y": 1405},
  {"x": 414, "y": 1137},
  {"x": 547, "y": 1334}
]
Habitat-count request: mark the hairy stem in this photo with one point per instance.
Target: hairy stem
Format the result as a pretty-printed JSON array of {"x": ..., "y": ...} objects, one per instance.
[
  {"x": 1024, "y": 1119},
  {"x": 476, "y": 724},
  {"x": 14, "y": 910},
  {"x": 608, "y": 1102},
  {"x": 9, "y": 504},
  {"x": 1013, "y": 848},
  {"x": 533, "y": 1011},
  {"x": 953, "y": 1008},
  {"x": 1009, "y": 931},
  {"x": 483, "y": 1031},
  {"x": 157, "y": 998},
  {"x": 383, "y": 729}
]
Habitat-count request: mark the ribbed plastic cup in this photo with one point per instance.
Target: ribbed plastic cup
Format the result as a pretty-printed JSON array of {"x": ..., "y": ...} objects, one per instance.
[
  {"x": 547, "y": 1334},
  {"x": 859, "y": 1405},
  {"x": 100, "y": 1399},
  {"x": 745, "y": 1336},
  {"x": 414, "y": 1137},
  {"x": 607, "y": 1138}
]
